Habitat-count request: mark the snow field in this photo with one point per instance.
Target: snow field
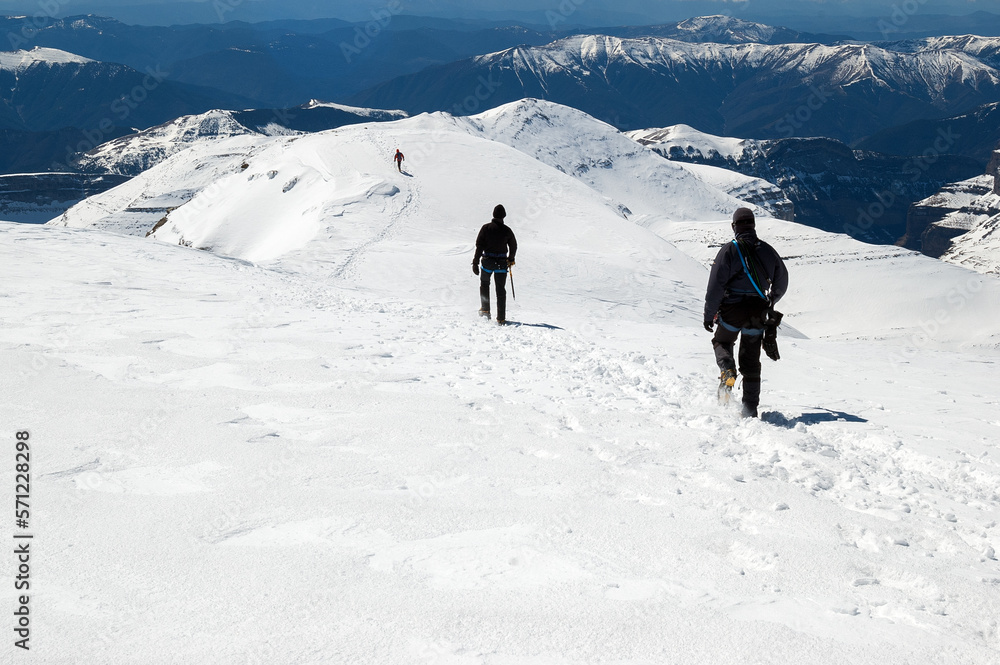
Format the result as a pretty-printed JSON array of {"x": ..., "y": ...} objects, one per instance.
[
  {"x": 305, "y": 446},
  {"x": 331, "y": 478}
]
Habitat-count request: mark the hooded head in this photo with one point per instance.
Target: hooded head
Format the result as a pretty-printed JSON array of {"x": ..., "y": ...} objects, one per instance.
[
  {"x": 743, "y": 221},
  {"x": 499, "y": 212}
]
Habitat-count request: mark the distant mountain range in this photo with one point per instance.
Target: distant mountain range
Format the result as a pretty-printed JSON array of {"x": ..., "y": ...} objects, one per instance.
[
  {"x": 284, "y": 63},
  {"x": 47, "y": 89},
  {"x": 974, "y": 134},
  {"x": 845, "y": 92}
]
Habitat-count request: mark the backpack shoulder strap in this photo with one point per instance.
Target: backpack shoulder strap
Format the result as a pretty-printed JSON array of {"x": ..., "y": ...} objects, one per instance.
[{"x": 751, "y": 265}]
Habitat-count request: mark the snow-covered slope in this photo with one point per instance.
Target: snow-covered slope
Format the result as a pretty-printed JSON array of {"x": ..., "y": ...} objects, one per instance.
[
  {"x": 135, "y": 153},
  {"x": 600, "y": 156},
  {"x": 312, "y": 200},
  {"x": 325, "y": 456},
  {"x": 19, "y": 60},
  {"x": 591, "y": 151}
]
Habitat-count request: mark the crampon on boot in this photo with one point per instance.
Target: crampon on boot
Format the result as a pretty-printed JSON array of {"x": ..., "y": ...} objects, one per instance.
[{"x": 726, "y": 382}]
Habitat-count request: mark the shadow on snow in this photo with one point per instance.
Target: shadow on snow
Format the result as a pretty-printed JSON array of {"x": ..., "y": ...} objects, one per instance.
[{"x": 812, "y": 418}]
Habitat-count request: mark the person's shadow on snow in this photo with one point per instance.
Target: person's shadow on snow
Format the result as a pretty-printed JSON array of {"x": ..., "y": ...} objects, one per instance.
[
  {"x": 549, "y": 326},
  {"x": 822, "y": 416}
]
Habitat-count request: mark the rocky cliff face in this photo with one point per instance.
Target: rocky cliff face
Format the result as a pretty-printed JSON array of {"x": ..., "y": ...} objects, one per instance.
[
  {"x": 958, "y": 222},
  {"x": 994, "y": 168}
]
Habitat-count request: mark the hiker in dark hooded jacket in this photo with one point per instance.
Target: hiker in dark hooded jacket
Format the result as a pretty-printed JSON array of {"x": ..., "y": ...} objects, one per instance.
[
  {"x": 748, "y": 278},
  {"x": 496, "y": 246}
]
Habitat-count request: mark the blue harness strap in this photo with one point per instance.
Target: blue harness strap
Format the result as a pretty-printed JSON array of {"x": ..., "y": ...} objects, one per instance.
[
  {"x": 487, "y": 270},
  {"x": 746, "y": 269}
]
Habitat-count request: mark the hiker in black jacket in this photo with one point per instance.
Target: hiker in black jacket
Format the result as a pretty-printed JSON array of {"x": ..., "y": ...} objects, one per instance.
[
  {"x": 748, "y": 278},
  {"x": 496, "y": 246}
]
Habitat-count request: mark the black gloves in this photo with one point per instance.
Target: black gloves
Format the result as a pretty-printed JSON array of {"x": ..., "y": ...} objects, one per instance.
[
  {"x": 510, "y": 263},
  {"x": 475, "y": 268},
  {"x": 710, "y": 326}
]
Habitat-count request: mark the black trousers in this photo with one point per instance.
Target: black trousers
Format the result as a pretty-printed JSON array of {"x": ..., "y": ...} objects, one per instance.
[
  {"x": 744, "y": 320},
  {"x": 497, "y": 270}
]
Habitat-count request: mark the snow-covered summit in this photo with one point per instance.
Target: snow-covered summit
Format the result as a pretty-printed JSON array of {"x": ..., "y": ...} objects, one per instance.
[
  {"x": 17, "y": 60},
  {"x": 133, "y": 154},
  {"x": 689, "y": 139},
  {"x": 599, "y": 155},
  {"x": 727, "y": 28}
]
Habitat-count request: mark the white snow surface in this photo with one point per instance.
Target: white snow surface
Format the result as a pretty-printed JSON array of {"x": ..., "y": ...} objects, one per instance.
[
  {"x": 19, "y": 60},
  {"x": 304, "y": 446}
]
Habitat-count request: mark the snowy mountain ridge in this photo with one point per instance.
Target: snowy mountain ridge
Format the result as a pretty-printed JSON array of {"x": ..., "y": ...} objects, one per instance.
[
  {"x": 846, "y": 91},
  {"x": 932, "y": 71},
  {"x": 567, "y": 140}
]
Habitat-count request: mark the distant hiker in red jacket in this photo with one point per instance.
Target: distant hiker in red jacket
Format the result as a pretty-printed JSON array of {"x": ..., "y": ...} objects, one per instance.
[
  {"x": 398, "y": 158},
  {"x": 492, "y": 245}
]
